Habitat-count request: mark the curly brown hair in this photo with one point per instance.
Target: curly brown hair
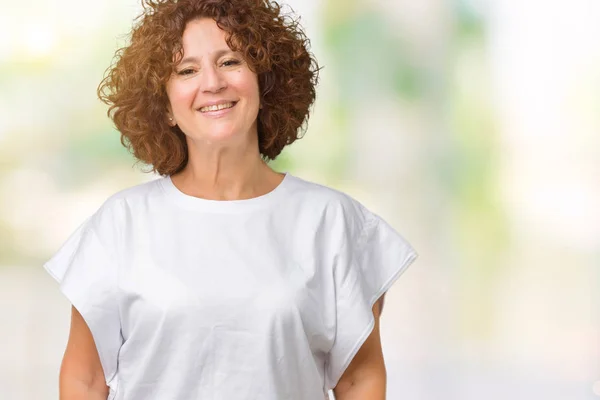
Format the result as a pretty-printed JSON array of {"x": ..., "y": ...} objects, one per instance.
[{"x": 273, "y": 44}]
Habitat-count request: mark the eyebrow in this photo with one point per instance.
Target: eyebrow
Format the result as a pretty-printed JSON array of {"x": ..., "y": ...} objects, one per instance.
[{"x": 192, "y": 59}]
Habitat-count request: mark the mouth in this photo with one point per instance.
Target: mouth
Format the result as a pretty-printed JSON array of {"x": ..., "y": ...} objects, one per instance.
[{"x": 218, "y": 107}]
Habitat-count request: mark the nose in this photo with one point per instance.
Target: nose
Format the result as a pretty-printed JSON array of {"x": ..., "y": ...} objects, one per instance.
[{"x": 212, "y": 80}]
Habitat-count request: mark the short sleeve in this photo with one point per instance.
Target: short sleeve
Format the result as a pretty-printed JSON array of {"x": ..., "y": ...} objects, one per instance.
[
  {"x": 365, "y": 270},
  {"x": 87, "y": 275}
]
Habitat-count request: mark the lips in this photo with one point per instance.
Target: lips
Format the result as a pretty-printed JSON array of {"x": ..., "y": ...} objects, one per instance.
[{"x": 222, "y": 105}]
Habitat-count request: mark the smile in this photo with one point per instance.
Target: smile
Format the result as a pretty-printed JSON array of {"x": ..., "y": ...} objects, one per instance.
[{"x": 217, "y": 107}]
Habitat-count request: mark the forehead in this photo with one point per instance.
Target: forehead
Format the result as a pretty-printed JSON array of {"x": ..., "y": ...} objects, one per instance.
[{"x": 203, "y": 36}]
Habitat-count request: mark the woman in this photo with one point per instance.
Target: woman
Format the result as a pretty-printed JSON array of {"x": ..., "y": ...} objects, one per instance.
[{"x": 222, "y": 279}]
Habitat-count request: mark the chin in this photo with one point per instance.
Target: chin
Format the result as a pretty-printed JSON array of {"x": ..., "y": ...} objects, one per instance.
[{"x": 221, "y": 135}]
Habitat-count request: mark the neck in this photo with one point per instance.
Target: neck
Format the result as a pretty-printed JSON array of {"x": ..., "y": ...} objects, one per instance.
[{"x": 225, "y": 173}]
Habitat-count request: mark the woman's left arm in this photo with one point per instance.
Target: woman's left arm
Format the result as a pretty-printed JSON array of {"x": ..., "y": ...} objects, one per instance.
[{"x": 365, "y": 377}]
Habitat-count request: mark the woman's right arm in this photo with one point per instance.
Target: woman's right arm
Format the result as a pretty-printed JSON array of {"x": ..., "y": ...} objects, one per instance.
[{"x": 81, "y": 373}]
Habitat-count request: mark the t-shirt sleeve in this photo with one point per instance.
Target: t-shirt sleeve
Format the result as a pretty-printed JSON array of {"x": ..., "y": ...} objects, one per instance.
[
  {"x": 87, "y": 275},
  {"x": 366, "y": 269}
]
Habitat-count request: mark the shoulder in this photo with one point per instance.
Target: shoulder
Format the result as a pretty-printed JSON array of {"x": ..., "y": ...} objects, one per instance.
[
  {"x": 338, "y": 209},
  {"x": 137, "y": 193},
  {"x": 315, "y": 193},
  {"x": 108, "y": 219}
]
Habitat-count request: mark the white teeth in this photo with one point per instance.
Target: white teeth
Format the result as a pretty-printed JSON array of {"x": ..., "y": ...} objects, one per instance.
[{"x": 216, "y": 107}]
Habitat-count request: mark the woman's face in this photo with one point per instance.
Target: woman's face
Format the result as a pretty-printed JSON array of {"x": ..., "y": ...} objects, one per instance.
[{"x": 211, "y": 74}]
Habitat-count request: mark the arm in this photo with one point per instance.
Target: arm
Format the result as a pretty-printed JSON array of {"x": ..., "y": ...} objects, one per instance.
[
  {"x": 365, "y": 377},
  {"x": 81, "y": 374}
]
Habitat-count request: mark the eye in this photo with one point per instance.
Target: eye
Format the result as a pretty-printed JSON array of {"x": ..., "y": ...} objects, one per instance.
[
  {"x": 186, "y": 71},
  {"x": 231, "y": 62}
]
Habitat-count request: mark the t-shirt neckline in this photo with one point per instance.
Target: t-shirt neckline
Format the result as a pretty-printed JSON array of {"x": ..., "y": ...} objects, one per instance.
[{"x": 224, "y": 206}]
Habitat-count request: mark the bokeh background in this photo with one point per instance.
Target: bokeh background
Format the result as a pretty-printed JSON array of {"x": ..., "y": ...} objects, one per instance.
[{"x": 472, "y": 126}]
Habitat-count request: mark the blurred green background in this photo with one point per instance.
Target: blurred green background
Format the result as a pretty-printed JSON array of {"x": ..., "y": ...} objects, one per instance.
[{"x": 471, "y": 126}]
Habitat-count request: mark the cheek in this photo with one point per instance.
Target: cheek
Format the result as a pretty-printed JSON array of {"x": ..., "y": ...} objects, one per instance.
[
  {"x": 180, "y": 94},
  {"x": 247, "y": 83}
]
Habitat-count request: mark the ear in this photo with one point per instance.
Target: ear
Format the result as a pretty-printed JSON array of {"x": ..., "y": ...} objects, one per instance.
[
  {"x": 171, "y": 121},
  {"x": 170, "y": 117}
]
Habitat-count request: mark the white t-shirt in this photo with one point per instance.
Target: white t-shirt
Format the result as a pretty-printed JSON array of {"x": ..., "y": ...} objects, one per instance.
[{"x": 266, "y": 298}]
